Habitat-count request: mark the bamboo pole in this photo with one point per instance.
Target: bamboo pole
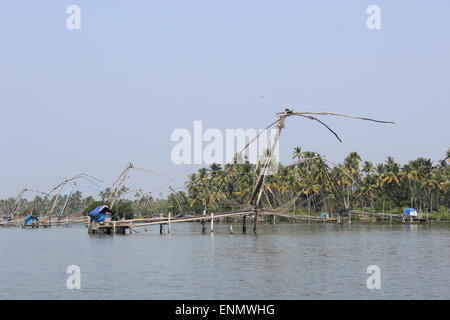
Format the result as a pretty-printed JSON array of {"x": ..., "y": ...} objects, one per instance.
[
  {"x": 212, "y": 222},
  {"x": 168, "y": 229},
  {"x": 203, "y": 222}
]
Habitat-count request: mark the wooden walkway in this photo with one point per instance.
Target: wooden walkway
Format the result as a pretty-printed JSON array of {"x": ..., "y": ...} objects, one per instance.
[
  {"x": 46, "y": 223},
  {"x": 377, "y": 216},
  {"x": 121, "y": 226}
]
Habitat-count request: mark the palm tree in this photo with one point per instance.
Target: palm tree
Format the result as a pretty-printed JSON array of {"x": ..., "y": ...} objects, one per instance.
[
  {"x": 367, "y": 168},
  {"x": 411, "y": 175},
  {"x": 297, "y": 153}
]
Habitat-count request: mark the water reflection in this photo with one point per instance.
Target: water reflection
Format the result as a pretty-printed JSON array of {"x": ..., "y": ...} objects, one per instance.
[{"x": 282, "y": 261}]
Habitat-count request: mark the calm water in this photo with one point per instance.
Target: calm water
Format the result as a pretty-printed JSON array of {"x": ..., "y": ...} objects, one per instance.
[{"x": 285, "y": 261}]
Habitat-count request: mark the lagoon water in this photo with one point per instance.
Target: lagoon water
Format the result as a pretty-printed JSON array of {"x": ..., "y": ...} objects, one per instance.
[{"x": 283, "y": 261}]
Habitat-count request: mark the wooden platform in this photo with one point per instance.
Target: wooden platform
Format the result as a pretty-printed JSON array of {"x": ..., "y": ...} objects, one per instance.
[
  {"x": 377, "y": 216},
  {"x": 46, "y": 222}
]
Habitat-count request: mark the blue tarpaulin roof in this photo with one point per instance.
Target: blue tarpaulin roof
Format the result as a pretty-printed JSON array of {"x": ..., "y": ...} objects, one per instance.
[
  {"x": 29, "y": 219},
  {"x": 99, "y": 213},
  {"x": 408, "y": 210}
]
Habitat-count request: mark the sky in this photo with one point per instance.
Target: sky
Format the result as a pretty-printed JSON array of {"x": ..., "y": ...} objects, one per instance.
[{"x": 94, "y": 99}]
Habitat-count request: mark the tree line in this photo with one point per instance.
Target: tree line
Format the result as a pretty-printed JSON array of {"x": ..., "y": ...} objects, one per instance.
[{"x": 310, "y": 185}]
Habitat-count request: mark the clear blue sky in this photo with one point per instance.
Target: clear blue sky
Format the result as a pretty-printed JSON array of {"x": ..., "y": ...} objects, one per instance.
[{"x": 94, "y": 99}]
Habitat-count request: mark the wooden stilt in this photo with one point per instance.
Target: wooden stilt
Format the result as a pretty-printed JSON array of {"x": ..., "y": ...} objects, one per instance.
[
  {"x": 212, "y": 222},
  {"x": 161, "y": 225},
  {"x": 231, "y": 229},
  {"x": 203, "y": 226},
  {"x": 255, "y": 219},
  {"x": 203, "y": 222},
  {"x": 169, "y": 226},
  {"x": 244, "y": 223}
]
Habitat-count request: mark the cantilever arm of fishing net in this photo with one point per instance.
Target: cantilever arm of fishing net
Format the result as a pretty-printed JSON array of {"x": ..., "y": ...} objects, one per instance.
[
  {"x": 20, "y": 195},
  {"x": 89, "y": 178},
  {"x": 176, "y": 200},
  {"x": 122, "y": 177},
  {"x": 336, "y": 114},
  {"x": 79, "y": 176},
  {"x": 141, "y": 169},
  {"x": 322, "y": 123},
  {"x": 155, "y": 172},
  {"x": 119, "y": 178},
  {"x": 308, "y": 115},
  {"x": 69, "y": 193},
  {"x": 37, "y": 191},
  {"x": 259, "y": 134},
  {"x": 149, "y": 201}
]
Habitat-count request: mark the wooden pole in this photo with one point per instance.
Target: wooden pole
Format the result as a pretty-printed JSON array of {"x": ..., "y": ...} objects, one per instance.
[
  {"x": 231, "y": 229},
  {"x": 168, "y": 229},
  {"x": 244, "y": 223},
  {"x": 161, "y": 225},
  {"x": 255, "y": 219},
  {"x": 212, "y": 222},
  {"x": 203, "y": 222},
  {"x": 203, "y": 226},
  {"x": 114, "y": 227}
]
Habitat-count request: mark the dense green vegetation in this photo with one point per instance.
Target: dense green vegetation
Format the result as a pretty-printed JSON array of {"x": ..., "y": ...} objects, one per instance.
[{"x": 310, "y": 185}]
